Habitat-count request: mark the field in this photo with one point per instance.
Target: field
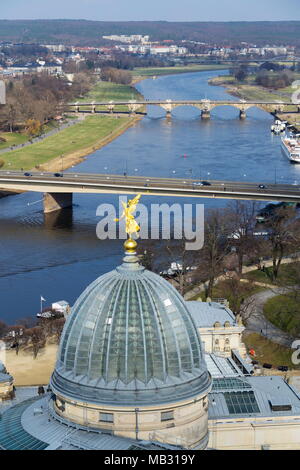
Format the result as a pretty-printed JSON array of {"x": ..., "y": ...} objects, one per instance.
[
  {"x": 80, "y": 137},
  {"x": 78, "y": 140},
  {"x": 12, "y": 138},
  {"x": 269, "y": 352},
  {"x": 288, "y": 275},
  {"x": 284, "y": 312},
  {"x": 156, "y": 71}
]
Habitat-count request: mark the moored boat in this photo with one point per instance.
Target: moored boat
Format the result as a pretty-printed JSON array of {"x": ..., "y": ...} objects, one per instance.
[
  {"x": 291, "y": 147},
  {"x": 278, "y": 127}
]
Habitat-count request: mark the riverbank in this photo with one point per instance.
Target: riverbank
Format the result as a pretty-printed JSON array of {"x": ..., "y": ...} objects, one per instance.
[
  {"x": 140, "y": 73},
  {"x": 252, "y": 92},
  {"x": 71, "y": 145}
]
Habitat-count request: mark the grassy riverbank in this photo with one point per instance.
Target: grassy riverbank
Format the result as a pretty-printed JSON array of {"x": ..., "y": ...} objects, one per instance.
[
  {"x": 145, "y": 72},
  {"x": 73, "y": 143},
  {"x": 77, "y": 141},
  {"x": 248, "y": 90}
]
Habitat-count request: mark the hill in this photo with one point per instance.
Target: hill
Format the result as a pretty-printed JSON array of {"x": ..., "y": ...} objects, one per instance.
[{"x": 83, "y": 32}]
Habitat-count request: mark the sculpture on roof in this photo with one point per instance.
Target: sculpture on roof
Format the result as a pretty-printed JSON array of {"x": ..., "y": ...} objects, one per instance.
[{"x": 129, "y": 208}]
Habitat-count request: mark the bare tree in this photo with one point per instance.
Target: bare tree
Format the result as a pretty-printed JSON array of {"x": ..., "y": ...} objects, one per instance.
[
  {"x": 36, "y": 338},
  {"x": 242, "y": 215},
  {"x": 239, "y": 295},
  {"x": 282, "y": 236},
  {"x": 215, "y": 247}
]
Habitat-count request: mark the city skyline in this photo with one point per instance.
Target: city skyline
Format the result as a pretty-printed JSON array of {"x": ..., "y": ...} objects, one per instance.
[{"x": 103, "y": 10}]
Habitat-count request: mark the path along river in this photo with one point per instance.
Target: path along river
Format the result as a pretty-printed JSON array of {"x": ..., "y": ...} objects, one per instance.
[{"x": 58, "y": 256}]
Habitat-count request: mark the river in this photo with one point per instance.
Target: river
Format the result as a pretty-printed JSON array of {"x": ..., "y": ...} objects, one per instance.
[{"x": 58, "y": 256}]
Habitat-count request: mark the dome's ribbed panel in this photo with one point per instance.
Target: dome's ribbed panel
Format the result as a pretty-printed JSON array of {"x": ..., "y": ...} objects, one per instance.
[{"x": 129, "y": 331}]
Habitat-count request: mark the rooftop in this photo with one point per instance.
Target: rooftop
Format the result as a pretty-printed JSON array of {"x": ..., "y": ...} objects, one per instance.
[
  {"x": 130, "y": 339},
  {"x": 254, "y": 396},
  {"x": 206, "y": 314}
]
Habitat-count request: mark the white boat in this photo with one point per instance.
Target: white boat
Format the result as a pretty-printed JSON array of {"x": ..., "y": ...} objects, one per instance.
[
  {"x": 278, "y": 127},
  {"x": 291, "y": 147}
]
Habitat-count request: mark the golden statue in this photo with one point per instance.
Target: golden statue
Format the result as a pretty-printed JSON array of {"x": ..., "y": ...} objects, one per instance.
[{"x": 131, "y": 224}]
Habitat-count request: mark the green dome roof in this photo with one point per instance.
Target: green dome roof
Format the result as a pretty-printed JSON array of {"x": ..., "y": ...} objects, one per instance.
[{"x": 130, "y": 339}]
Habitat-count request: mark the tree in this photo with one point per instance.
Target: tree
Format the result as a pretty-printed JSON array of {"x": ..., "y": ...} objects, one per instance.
[
  {"x": 242, "y": 217},
  {"x": 282, "y": 236},
  {"x": 33, "y": 127},
  {"x": 36, "y": 337},
  {"x": 215, "y": 247},
  {"x": 15, "y": 335},
  {"x": 238, "y": 294},
  {"x": 241, "y": 73}
]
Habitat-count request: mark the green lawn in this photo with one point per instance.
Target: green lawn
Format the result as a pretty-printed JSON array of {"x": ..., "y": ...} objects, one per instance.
[
  {"x": 18, "y": 138},
  {"x": 248, "y": 90},
  {"x": 78, "y": 137},
  {"x": 284, "y": 312},
  {"x": 12, "y": 138},
  {"x": 106, "y": 91},
  {"x": 288, "y": 275},
  {"x": 269, "y": 352},
  {"x": 152, "y": 71}
]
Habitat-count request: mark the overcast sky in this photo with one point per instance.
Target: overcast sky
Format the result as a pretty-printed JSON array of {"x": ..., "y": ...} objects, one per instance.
[{"x": 172, "y": 10}]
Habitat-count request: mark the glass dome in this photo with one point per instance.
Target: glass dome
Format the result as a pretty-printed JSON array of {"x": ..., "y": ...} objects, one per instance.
[{"x": 129, "y": 338}]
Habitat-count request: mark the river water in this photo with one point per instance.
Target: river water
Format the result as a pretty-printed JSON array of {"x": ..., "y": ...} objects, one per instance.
[{"x": 57, "y": 256}]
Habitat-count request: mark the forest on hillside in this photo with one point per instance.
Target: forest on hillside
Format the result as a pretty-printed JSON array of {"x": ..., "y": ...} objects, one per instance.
[{"x": 83, "y": 32}]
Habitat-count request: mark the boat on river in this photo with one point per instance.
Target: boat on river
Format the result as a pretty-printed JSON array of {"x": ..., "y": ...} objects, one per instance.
[
  {"x": 290, "y": 146},
  {"x": 278, "y": 127}
]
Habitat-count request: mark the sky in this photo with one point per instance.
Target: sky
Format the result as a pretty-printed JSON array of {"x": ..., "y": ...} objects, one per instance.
[{"x": 139, "y": 10}]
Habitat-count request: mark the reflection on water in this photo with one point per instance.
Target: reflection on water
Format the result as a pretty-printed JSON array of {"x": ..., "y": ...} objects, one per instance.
[{"x": 57, "y": 255}]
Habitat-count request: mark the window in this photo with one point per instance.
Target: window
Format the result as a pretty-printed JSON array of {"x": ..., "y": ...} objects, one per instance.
[
  {"x": 167, "y": 415},
  {"x": 106, "y": 417}
]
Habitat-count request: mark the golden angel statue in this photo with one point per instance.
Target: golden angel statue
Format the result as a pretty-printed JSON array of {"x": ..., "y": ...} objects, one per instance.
[{"x": 129, "y": 208}]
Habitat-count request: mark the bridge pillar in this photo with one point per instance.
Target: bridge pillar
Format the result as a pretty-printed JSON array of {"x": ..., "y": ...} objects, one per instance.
[
  {"x": 93, "y": 108},
  {"x": 243, "y": 114},
  {"x": 57, "y": 201},
  {"x": 168, "y": 114},
  {"x": 205, "y": 114}
]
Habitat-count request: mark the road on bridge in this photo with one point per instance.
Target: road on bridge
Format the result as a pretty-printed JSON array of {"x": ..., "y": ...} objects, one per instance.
[{"x": 124, "y": 184}]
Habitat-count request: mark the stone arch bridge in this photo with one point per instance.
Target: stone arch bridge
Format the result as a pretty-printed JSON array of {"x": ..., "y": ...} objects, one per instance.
[{"x": 205, "y": 106}]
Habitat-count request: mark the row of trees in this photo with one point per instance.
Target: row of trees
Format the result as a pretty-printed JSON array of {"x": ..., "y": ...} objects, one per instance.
[
  {"x": 34, "y": 100},
  {"x": 271, "y": 79},
  {"x": 111, "y": 74},
  {"x": 25, "y": 334},
  {"x": 230, "y": 242}
]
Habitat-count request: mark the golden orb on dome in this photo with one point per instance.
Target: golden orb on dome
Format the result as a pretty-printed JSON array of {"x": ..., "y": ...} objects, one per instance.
[{"x": 130, "y": 245}]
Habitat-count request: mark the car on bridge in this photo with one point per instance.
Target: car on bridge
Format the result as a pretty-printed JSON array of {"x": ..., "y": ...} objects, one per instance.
[
  {"x": 201, "y": 183},
  {"x": 27, "y": 174},
  {"x": 58, "y": 175}
]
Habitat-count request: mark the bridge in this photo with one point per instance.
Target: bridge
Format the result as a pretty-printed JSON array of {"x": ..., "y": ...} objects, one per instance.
[
  {"x": 204, "y": 105},
  {"x": 58, "y": 190}
]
